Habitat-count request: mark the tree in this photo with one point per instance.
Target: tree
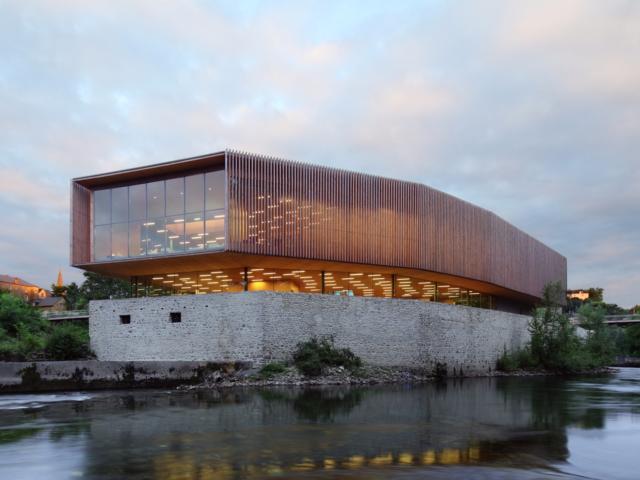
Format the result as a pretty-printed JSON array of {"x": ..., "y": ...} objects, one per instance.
[
  {"x": 22, "y": 329},
  {"x": 100, "y": 287},
  {"x": 554, "y": 342},
  {"x": 58, "y": 290},
  {"x": 74, "y": 297},
  {"x": 72, "y": 294},
  {"x": 600, "y": 342},
  {"x": 633, "y": 339},
  {"x": 596, "y": 294}
]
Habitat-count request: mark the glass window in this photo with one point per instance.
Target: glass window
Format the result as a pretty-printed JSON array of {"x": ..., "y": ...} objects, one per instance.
[
  {"x": 155, "y": 199},
  {"x": 175, "y": 234},
  {"x": 163, "y": 217},
  {"x": 214, "y": 229},
  {"x": 194, "y": 185},
  {"x": 120, "y": 240},
  {"x": 156, "y": 234},
  {"x": 102, "y": 242},
  {"x": 137, "y": 202},
  {"x": 102, "y": 207},
  {"x": 194, "y": 231},
  {"x": 215, "y": 190},
  {"x": 119, "y": 204},
  {"x": 137, "y": 239},
  {"x": 175, "y": 196}
]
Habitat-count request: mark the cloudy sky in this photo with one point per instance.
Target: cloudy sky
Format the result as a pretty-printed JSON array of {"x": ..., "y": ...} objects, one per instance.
[{"x": 529, "y": 109}]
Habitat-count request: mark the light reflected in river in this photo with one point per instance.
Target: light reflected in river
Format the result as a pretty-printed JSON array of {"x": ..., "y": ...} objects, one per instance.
[{"x": 525, "y": 428}]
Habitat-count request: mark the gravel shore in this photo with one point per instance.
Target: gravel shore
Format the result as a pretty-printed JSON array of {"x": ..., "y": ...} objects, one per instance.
[{"x": 366, "y": 375}]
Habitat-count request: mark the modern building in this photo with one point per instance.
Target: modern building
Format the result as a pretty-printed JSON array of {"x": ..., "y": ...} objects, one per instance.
[{"x": 232, "y": 221}]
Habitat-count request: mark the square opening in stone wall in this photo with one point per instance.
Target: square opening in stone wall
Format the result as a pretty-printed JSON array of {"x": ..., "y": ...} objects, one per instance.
[
  {"x": 125, "y": 319},
  {"x": 176, "y": 317}
]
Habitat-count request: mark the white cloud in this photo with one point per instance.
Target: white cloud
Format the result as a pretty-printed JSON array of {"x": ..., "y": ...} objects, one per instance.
[{"x": 530, "y": 109}]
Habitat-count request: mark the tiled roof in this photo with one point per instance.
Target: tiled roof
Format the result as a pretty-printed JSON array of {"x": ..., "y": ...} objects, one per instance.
[
  {"x": 48, "y": 301},
  {"x": 12, "y": 281}
]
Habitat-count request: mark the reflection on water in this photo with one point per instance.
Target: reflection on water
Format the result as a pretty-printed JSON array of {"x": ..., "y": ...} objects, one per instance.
[{"x": 473, "y": 428}]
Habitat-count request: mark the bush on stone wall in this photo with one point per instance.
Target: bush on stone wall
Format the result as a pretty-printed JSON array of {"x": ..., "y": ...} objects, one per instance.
[{"x": 314, "y": 355}]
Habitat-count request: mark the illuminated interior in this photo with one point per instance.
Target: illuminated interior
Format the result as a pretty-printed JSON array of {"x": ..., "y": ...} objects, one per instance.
[
  {"x": 359, "y": 284},
  {"x": 163, "y": 217}
]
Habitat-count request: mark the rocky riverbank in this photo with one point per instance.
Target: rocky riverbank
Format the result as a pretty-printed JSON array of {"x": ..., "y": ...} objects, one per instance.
[{"x": 366, "y": 375}]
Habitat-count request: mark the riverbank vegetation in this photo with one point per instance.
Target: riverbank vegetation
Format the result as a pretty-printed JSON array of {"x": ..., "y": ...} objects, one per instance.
[
  {"x": 94, "y": 287},
  {"x": 315, "y": 355},
  {"x": 25, "y": 335},
  {"x": 556, "y": 344}
]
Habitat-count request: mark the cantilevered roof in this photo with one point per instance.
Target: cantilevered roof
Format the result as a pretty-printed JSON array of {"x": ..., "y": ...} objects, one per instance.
[{"x": 148, "y": 171}]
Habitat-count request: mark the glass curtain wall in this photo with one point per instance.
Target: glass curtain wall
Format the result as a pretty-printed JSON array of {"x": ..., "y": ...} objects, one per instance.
[
  {"x": 166, "y": 217},
  {"x": 351, "y": 284}
]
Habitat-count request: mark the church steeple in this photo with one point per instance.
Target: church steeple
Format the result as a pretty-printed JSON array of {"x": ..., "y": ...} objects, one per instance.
[{"x": 59, "y": 282}]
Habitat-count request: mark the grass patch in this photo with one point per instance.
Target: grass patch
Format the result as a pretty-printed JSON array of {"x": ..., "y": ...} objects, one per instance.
[{"x": 270, "y": 370}]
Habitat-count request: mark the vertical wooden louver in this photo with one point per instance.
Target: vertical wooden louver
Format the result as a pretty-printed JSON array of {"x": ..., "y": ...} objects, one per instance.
[
  {"x": 80, "y": 224},
  {"x": 282, "y": 208}
]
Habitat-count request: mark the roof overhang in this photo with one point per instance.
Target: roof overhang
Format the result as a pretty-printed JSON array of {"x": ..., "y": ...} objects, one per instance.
[{"x": 151, "y": 171}]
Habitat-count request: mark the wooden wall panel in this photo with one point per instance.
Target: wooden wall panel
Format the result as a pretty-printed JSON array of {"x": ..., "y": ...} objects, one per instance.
[
  {"x": 290, "y": 209},
  {"x": 80, "y": 236}
]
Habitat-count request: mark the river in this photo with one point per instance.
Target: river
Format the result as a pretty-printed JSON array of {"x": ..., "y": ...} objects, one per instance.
[{"x": 498, "y": 428}]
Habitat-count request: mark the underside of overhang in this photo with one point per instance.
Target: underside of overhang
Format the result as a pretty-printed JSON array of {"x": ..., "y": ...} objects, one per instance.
[{"x": 128, "y": 268}]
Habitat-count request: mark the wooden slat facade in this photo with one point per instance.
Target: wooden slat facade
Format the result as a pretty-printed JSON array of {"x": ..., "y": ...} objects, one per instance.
[
  {"x": 332, "y": 218},
  {"x": 80, "y": 224},
  {"x": 289, "y": 209}
]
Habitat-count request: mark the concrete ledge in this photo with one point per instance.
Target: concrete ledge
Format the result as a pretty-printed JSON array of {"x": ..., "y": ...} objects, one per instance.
[{"x": 24, "y": 377}]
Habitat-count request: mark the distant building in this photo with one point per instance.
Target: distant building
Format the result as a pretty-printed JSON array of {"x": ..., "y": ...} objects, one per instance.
[
  {"x": 22, "y": 288},
  {"x": 593, "y": 294},
  {"x": 579, "y": 294},
  {"x": 51, "y": 304}
]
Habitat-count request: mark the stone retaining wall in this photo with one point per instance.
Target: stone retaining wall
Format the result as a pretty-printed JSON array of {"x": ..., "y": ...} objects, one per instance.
[{"x": 260, "y": 327}]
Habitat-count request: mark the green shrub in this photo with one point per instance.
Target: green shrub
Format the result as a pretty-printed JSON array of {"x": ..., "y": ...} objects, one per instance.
[
  {"x": 10, "y": 349},
  {"x": 507, "y": 362},
  {"x": 632, "y": 335},
  {"x": 22, "y": 329},
  {"x": 313, "y": 355},
  {"x": 517, "y": 360},
  {"x": 555, "y": 344},
  {"x": 68, "y": 342},
  {"x": 600, "y": 343},
  {"x": 14, "y": 311},
  {"x": 271, "y": 369}
]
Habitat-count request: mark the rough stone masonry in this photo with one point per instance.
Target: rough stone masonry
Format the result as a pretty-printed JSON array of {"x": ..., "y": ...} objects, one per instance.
[{"x": 261, "y": 327}]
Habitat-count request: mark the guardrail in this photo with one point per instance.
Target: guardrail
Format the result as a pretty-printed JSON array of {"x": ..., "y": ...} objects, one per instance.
[
  {"x": 66, "y": 315},
  {"x": 618, "y": 319}
]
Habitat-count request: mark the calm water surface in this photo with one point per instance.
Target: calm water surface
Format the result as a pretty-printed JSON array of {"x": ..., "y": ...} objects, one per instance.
[{"x": 517, "y": 428}]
